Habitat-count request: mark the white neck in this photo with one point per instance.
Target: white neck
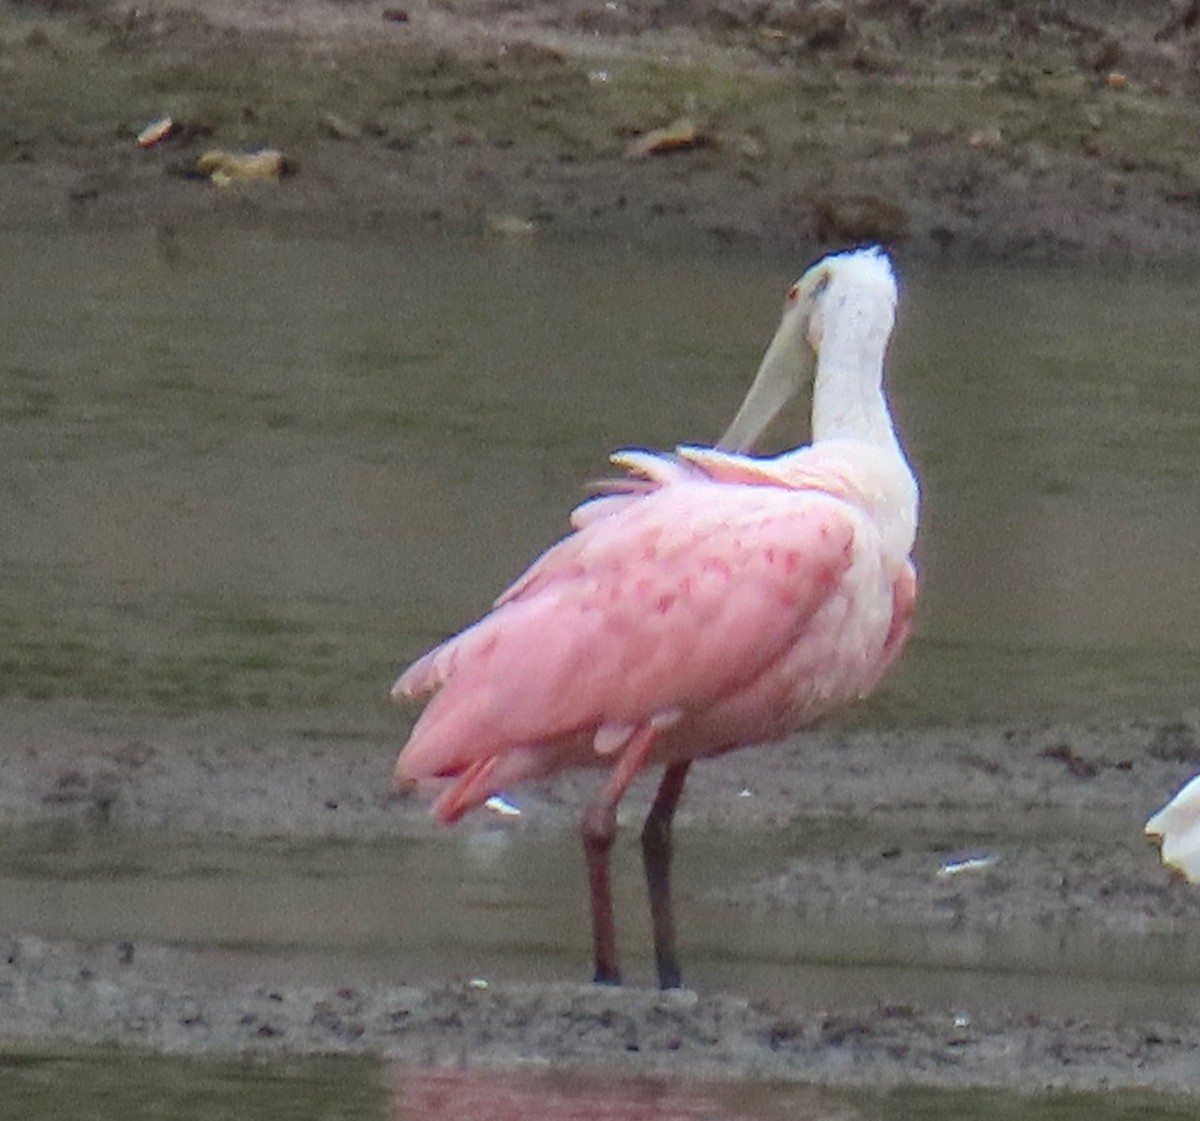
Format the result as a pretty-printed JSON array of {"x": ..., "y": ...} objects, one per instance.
[
  {"x": 849, "y": 407},
  {"x": 848, "y": 400}
]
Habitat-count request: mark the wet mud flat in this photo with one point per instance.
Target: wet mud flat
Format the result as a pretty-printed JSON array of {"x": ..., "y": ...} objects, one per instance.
[
  {"x": 101, "y": 995},
  {"x": 1059, "y": 809},
  {"x": 952, "y": 128}
]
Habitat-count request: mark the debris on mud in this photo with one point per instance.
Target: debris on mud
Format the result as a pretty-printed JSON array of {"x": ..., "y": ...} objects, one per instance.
[{"x": 960, "y": 129}]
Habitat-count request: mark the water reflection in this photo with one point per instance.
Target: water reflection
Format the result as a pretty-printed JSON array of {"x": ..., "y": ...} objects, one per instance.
[
  {"x": 105, "y": 1084},
  {"x": 478, "y": 1095},
  {"x": 481, "y": 1095},
  {"x": 280, "y": 913}
]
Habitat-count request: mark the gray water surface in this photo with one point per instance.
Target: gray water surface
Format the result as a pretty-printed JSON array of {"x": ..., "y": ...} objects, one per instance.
[{"x": 264, "y": 474}]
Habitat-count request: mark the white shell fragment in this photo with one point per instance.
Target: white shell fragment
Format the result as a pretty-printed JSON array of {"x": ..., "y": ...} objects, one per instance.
[
  {"x": 1177, "y": 829},
  {"x": 498, "y": 804},
  {"x": 958, "y": 865},
  {"x": 510, "y": 225},
  {"x": 155, "y": 132}
]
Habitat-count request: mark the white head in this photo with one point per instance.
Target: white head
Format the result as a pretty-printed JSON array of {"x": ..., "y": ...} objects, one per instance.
[{"x": 841, "y": 311}]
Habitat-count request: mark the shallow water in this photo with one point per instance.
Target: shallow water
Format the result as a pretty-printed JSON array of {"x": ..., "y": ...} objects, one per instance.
[
  {"x": 103, "y": 1085},
  {"x": 244, "y": 473},
  {"x": 277, "y": 912}
]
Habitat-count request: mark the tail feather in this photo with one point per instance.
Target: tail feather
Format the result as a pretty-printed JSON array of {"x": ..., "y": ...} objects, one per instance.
[
  {"x": 480, "y": 780},
  {"x": 472, "y": 788},
  {"x": 434, "y": 669},
  {"x": 420, "y": 678}
]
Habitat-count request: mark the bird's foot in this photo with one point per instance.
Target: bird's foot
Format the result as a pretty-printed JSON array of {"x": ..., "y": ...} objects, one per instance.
[{"x": 669, "y": 979}]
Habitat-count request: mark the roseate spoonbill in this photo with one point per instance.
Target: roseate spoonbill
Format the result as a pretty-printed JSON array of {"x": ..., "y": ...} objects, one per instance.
[
  {"x": 710, "y": 601},
  {"x": 1177, "y": 827}
]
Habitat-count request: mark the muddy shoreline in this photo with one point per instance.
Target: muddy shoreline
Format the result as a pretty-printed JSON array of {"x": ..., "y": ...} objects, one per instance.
[
  {"x": 948, "y": 129},
  {"x": 1088, "y": 870},
  {"x": 93, "y": 995},
  {"x": 246, "y": 777}
]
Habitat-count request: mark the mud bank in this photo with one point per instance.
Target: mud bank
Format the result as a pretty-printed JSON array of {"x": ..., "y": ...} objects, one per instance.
[
  {"x": 1059, "y": 808},
  {"x": 1056, "y": 813},
  {"x": 249, "y": 778},
  {"x": 953, "y": 128},
  {"x": 144, "y": 997}
]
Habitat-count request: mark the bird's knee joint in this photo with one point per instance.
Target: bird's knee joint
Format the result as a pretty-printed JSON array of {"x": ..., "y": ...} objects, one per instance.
[{"x": 599, "y": 825}]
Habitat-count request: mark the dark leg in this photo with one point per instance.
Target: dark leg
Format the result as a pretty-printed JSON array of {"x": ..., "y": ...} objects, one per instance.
[
  {"x": 656, "y": 855},
  {"x": 599, "y": 829}
]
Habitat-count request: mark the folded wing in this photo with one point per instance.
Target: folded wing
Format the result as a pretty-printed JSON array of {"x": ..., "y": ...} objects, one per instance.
[{"x": 661, "y": 608}]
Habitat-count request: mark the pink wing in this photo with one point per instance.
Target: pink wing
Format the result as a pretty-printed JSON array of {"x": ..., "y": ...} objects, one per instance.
[{"x": 676, "y": 599}]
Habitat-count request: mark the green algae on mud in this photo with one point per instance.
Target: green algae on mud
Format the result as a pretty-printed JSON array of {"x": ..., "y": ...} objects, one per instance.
[
  {"x": 107, "y": 1084},
  {"x": 917, "y": 1104}
]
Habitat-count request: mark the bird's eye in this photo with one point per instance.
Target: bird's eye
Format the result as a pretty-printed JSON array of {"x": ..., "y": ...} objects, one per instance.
[{"x": 793, "y": 294}]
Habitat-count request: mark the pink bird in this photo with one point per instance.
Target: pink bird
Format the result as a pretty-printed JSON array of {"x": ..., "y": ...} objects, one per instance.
[{"x": 710, "y": 601}]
